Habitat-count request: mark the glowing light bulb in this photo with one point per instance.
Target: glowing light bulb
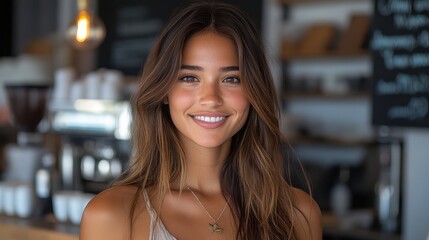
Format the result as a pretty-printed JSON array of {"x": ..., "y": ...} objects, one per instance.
[
  {"x": 86, "y": 30},
  {"x": 83, "y": 22}
]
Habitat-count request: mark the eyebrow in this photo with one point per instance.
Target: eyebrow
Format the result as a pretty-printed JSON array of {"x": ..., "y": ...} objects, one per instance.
[{"x": 198, "y": 68}]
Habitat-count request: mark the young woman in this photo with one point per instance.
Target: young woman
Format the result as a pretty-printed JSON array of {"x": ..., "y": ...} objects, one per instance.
[{"x": 207, "y": 160}]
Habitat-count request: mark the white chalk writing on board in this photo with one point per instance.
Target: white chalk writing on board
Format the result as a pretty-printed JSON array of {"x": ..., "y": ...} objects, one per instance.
[
  {"x": 404, "y": 84},
  {"x": 417, "y": 108},
  {"x": 400, "y": 44}
]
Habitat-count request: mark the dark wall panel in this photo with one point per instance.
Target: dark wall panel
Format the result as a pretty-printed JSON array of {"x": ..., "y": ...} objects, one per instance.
[
  {"x": 133, "y": 25},
  {"x": 6, "y": 27}
]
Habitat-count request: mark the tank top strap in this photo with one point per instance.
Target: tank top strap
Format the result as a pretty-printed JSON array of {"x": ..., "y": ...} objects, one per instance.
[
  {"x": 157, "y": 228},
  {"x": 152, "y": 213}
]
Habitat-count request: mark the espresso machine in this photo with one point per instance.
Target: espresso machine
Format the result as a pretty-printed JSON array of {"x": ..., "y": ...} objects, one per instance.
[{"x": 95, "y": 142}]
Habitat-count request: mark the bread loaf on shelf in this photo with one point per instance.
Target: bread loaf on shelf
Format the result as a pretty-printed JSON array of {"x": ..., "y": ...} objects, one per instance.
[{"x": 353, "y": 39}]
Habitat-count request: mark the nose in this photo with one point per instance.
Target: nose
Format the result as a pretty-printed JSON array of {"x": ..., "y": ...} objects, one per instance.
[{"x": 210, "y": 95}]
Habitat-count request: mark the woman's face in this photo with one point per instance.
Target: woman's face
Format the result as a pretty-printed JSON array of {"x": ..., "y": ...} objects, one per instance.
[{"x": 207, "y": 103}]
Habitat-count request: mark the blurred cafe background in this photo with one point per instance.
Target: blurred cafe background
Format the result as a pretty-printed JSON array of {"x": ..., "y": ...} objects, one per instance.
[{"x": 353, "y": 81}]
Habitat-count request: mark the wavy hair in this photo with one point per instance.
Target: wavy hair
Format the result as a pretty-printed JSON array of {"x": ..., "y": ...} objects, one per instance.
[{"x": 252, "y": 175}]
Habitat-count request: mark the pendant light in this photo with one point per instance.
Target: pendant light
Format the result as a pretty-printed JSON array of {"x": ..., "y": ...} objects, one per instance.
[{"x": 86, "y": 31}]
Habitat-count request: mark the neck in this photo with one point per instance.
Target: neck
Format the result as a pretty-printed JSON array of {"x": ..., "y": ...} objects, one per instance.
[{"x": 204, "y": 166}]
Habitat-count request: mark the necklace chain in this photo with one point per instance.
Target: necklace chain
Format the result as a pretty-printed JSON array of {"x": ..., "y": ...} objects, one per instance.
[{"x": 205, "y": 209}]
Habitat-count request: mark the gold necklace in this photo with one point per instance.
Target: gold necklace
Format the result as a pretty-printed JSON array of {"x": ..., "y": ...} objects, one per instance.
[{"x": 214, "y": 227}]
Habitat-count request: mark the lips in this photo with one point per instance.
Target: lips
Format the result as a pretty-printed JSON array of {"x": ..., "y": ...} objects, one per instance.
[
  {"x": 209, "y": 122},
  {"x": 209, "y": 119}
]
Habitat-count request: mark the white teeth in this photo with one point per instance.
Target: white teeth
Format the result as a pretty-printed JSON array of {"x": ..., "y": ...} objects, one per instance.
[{"x": 209, "y": 119}]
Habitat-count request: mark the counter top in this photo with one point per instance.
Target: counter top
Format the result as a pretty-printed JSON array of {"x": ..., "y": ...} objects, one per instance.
[
  {"x": 332, "y": 230},
  {"x": 36, "y": 229}
]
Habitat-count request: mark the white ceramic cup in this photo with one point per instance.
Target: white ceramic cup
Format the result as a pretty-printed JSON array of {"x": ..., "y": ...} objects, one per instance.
[
  {"x": 75, "y": 208},
  {"x": 92, "y": 85},
  {"x": 111, "y": 86},
  {"x": 60, "y": 205},
  {"x": 2, "y": 185},
  {"x": 85, "y": 199},
  {"x": 63, "y": 79},
  {"x": 9, "y": 198},
  {"x": 113, "y": 76},
  {"x": 109, "y": 91},
  {"x": 77, "y": 90},
  {"x": 69, "y": 205},
  {"x": 24, "y": 200}
]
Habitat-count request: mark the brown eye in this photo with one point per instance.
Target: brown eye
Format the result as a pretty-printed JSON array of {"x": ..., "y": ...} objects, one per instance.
[
  {"x": 232, "y": 80},
  {"x": 188, "y": 78}
]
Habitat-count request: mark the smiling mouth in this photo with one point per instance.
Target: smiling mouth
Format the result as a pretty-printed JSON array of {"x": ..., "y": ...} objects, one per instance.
[{"x": 209, "y": 119}]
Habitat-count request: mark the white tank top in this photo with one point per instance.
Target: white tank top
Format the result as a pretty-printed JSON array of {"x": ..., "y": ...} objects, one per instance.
[{"x": 157, "y": 228}]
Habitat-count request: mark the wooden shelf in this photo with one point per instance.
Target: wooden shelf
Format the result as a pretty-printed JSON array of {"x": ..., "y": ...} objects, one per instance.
[
  {"x": 294, "y": 2},
  {"x": 312, "y": 95},
  {"x": 329, "y": 56}
]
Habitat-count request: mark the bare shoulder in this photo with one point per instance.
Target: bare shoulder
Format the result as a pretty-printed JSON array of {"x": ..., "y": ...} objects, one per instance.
[
  {"x": 107, "y": 216},
  {"x": 307, "y": 212}
]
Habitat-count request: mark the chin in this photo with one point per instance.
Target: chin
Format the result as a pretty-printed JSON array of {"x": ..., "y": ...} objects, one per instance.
[{"x": 210, "y": 142}]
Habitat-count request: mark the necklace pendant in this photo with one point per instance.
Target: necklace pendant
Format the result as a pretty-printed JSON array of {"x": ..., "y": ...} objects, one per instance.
[{"x": 215, "y": 228}]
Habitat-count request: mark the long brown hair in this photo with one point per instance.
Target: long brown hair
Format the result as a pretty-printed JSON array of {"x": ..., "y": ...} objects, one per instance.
[{"x": 252, "y": 175}]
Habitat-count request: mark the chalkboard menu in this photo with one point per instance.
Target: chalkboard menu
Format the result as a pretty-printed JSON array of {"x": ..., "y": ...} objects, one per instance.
[
  {"x": 400, "y": 44},
  {"x": 132, "y": 27}
]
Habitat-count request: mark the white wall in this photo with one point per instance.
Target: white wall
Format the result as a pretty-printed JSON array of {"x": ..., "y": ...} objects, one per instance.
[{"x": 416, "y": 185}]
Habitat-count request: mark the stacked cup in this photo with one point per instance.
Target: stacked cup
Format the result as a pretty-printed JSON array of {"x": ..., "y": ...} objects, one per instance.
[
  {"x": 16, "y": 199},
  {"x": 110, "y": 88},
  {"x": 103, "y": 84},
  {"x": 69, "y": 205},
  {"x": 92, "y": 85},
  {"x": 64, "y": 77}
]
